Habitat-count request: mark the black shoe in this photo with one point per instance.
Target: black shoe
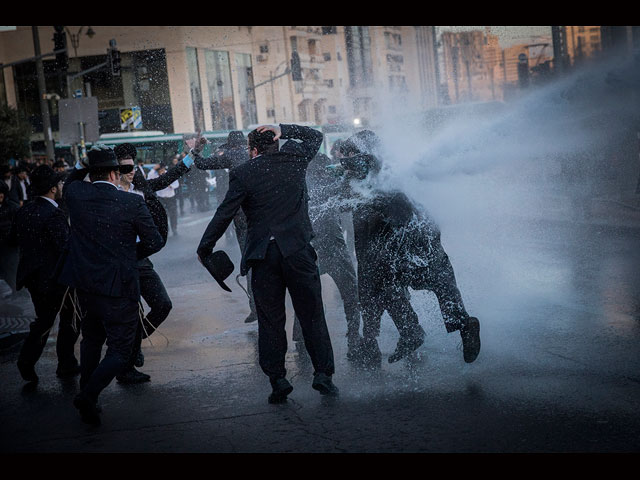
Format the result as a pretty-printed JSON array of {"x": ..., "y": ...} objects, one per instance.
[
  {"x": 322, "y": 382},
  {"x": 28, "y": 372},
  {"x": 132, "y": 376},
  {"x": 406, "y": 345},
  {"x": 139, "y": 361},
  {"x": 281, "y": 388},
  {"x": 67, "y": 371},
  {"x": 251, "y": 318},
  {"x": 89, "y": 411},
  {"x": 470, "y": 333}
]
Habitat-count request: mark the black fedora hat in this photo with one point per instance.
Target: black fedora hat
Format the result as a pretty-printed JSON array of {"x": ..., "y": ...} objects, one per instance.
[
  {"x": 43, "y": 178},
  {"x": 101, "y": 156},
  {"x": 236, "y": 137},
  {"x": 219, "y": 266}
]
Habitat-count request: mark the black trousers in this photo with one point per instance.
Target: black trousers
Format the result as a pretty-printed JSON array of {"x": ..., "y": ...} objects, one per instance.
[
  {"x": 393, "y": 298},
  {"x": 47, "y": 300},
  {"x": 439, "y": 278},
  {"x": 334, "y": 259},
  {"x": 381, "y": 289},
  {"x": 271, "y": 278},
  {"x": 155, "y": 294},
  {"x": 171, "y": 206},
  {"x": 110, "y": 319}
]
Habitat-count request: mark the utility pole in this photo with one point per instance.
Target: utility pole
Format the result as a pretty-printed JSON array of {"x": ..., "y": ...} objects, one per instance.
[
  {"x": 42, "y": 92},
  {"x": 559, "y": 39}
]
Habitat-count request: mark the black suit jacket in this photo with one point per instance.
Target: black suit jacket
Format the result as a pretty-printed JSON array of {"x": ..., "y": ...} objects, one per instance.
[
  {"x": 16, "y": 195},
  {"x": 149, "y": 186},
  {"x": 102, "y": 257},
  {"x": 272, "y": 191},
  {"x": 42, "y": 231}
]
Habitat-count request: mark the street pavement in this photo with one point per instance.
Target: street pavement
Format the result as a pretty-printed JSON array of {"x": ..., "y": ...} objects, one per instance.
[{"x": 559, "y": 371}]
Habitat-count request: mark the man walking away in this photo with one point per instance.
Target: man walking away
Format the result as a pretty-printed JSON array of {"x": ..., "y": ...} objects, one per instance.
[
  {"x": 102, "y": 266},
  {"x": 151, "y": 287},
  {"x": 228, "y": 156},
  {"x": 41, "y": 230}
]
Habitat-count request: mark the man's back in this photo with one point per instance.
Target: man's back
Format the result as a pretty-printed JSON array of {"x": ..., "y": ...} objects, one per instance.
[
  {"x": 102, "y": 249},
  {"x": 271, "y": 188},
  {"x": 41, "y": 230}
]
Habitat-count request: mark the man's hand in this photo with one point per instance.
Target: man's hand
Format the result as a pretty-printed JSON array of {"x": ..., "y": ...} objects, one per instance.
[
  {"x": 197, "y": 143},
  {"x": 272, "y": 128}
]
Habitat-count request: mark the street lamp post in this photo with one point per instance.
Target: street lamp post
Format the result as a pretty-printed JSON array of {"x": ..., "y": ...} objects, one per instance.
[{"x": 75, "y": 38}]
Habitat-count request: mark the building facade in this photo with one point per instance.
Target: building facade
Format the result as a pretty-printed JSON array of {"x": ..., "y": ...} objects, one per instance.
[{"x": 185, "y": 79}]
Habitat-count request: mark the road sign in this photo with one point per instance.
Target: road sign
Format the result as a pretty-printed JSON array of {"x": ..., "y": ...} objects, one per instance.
[
  {"x": 130, "y": 117},
  {"x": 72, "y": 112}
]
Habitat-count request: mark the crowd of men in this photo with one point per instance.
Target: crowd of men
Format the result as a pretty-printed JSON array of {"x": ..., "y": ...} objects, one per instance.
[{"x": 85, "y": 237}]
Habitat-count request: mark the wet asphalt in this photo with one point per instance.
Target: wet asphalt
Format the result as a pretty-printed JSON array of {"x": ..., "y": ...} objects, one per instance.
[{"x": 559, "y": 370}]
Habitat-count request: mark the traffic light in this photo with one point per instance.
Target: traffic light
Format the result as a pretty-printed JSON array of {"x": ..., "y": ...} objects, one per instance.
[
  {"x": 60, "y": 42},
  {"x": 114, "y": 58},
  {"x": 296, "y": 71}
]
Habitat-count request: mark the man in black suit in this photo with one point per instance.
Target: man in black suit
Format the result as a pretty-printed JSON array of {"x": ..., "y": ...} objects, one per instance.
[
  {"x": 228, "y": 156},
  {"x": 41, "y": 230},
  {"x": 19, "y": 190},
  {"x": 102, "y": 265},
  {"x": 328, "y": 241},
  {"x": 271, "y": 189},
  {"x": 398, "y": 247},
  {"x": 151, "y": 287},
  {"x": 9, "y": 252}
]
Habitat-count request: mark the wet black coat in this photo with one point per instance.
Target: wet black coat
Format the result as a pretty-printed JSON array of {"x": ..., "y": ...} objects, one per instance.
[
  {"x": 394, "y": 241},
  {"x": 272, "y": 191},
  {"x": 103, "y": 255},
  {"x": 42, "y": 231}
]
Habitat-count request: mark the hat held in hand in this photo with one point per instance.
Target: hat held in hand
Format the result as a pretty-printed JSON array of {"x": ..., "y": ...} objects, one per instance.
[{"x": 219, "y": 266}]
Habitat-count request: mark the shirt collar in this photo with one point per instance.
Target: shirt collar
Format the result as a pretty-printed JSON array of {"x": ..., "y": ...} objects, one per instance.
[
  {"x": 53, "y": 202},
  {"x": 108, "y": 183}
]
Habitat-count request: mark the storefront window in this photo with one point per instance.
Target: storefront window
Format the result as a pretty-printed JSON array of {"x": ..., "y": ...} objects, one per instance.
[
  {"x": 196, "y": 90},
  {"x": 223, "y": 115},
  {"x": 246, "y": 91}
]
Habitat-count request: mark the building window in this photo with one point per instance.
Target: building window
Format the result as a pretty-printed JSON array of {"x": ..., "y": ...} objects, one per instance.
[
  {"x": 338, "y": 56},
  {"x": 264, "y": 48},
  {"x": 393, "y": 41},
  {"x": 245, "y": 88},
  {"x": 223, "y": 114},
  {"x": 326, "y": 56},
  {"x": 332, "y": 109},
  {"x": 329, "y": 83},
  {"x": 148, "y": 75},
  {"x": 312, "y": 47},
  {"x": 196, "y": 90},
  {"x": 394, "y": 62},
  {"x": 329, "y": 30},
  {"x": 358, "y": 44},
  {"x": 294, "y": 43},
  {"x": 271, "y": 112}
]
